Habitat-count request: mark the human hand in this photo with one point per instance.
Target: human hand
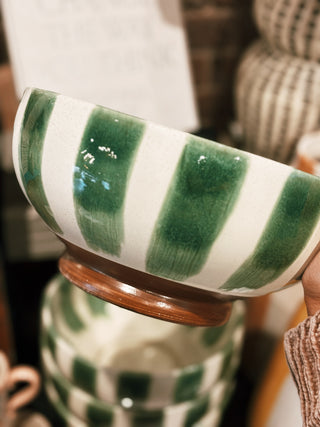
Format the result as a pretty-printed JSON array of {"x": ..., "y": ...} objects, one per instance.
[{"x": 311, "y": 285}]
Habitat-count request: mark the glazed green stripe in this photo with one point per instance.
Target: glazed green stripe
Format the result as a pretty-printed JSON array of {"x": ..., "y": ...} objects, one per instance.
[
  {"x": 227, "y": 371},
  {"x": 197, "y": 411},
  {"x": 61, "y": 388},
  {"x": 289, "y": 228},
  {"x": 33, "y": 131},
  {"x": 101, "y": 174},
  {"x": 133, "y": 385},
  {"x": 211, "y": 336},
  {"x": 99, "y": 414},
  {"x": 70, "y": 315},
  {"x": 51, "y": 339},
  {"x": 62, "y": 412},
  {"x": 84, "y": 375},
  {"x": 187, "y": 385},
  {"x": 96, "y": 305},
  {"x": 200, "y": 199},
  {"x": 153, "y": 418}
]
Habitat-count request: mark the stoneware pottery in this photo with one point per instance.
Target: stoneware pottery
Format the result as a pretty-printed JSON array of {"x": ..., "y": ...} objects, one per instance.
[
  {"x": 158, "y": 220},
  {"x": 96, "y": 412},
  {"x": 211, "y": 418},
  {"x": 10, "y": 402},
  {"x": 290, "y": 25},
  {"x": 121, "y": 357},
  {"x": 277, "y": 100}
]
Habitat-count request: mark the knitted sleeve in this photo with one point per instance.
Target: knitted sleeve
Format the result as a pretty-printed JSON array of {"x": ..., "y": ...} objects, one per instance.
[{"x": 302, "y": 347}]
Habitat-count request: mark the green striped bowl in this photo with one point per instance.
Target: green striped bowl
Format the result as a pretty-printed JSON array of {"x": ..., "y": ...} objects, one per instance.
[
  {"x": 122, "y": 357},
  {"x": 210, "y": 419},
  {"x": 98, "y": 413},
  {"x": 162, "y": 201}
]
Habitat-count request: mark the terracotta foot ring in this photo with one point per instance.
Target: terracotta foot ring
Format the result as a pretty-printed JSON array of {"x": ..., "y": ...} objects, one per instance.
[{"x": 142, "y": 292}]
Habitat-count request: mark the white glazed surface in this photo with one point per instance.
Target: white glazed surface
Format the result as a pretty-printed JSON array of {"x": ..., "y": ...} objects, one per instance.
[{"x": 150, "y": 178}]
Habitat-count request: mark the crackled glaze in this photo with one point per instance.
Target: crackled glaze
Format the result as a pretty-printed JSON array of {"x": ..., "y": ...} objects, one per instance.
[
  {"x": 288, "y": 229},
  {"x": 201, "y": 197},
  {"x": 101, "y": 174},
  {"x": 162, "y": 201},
  {"x": 33, "y": 131}
]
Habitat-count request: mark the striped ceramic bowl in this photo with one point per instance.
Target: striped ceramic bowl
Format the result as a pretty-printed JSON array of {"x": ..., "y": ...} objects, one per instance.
[
  {"x": 98, "y": 413},
  {"x": 277, "y": 100},
  {"x": 211, "y": 418},
  {"x": 292, "y": 26},
  {"x": 122, "y": 357},
  {"x": 155, "y": 200}
]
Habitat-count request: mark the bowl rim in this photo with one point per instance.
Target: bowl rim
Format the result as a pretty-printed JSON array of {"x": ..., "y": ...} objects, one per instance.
[
  {"x": 232, "y": 328},
  {"x": 228, "y": 348},
  {"x": 109, "y": 406}
]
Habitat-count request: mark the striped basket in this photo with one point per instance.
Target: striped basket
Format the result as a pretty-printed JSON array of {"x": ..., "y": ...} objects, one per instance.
[
  {"x": 277, "y": 100},
  {"x": 290, "y": 25},
  {"x": 78, "y": 329}
]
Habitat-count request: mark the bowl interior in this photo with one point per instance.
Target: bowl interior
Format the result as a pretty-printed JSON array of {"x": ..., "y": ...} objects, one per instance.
[
  {"x": 199, "y": 415},
  {"x": 88, "y": 407},
  {"x": 108, "y": 336}
]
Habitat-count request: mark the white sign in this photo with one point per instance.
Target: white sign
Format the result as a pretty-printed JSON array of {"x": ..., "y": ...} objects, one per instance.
[{"x": 128, "y": 55}]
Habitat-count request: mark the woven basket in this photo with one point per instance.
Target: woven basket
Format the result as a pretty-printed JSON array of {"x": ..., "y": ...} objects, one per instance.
[
  {"x": 277, "y": 100},
  {"x": 290, "y": 25}
]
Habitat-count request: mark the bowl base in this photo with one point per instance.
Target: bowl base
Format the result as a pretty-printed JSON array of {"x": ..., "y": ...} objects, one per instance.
[{"x": 142, "y": 292}]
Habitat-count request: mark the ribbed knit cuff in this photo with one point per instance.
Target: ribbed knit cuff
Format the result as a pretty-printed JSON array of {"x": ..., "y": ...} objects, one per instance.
[{"x": 302, "y": 347}]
